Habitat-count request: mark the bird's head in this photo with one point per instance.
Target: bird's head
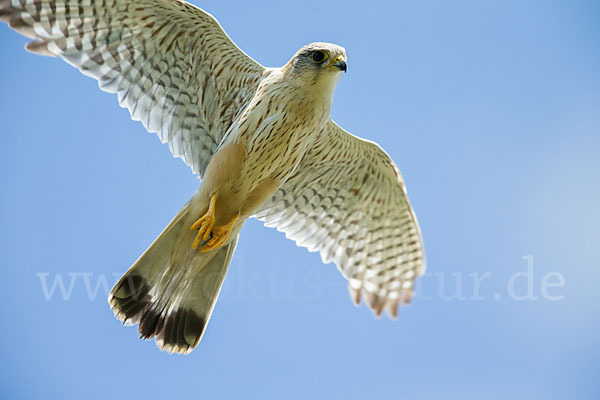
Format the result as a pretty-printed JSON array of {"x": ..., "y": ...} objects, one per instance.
[{"x": 317, "y": 64}]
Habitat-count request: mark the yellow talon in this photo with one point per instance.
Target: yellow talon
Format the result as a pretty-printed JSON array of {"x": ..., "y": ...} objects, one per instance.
[
  {"x": 206, "y": 229},
  {"x": 220, "y": 235},
  {"x": 205, "y": 223}
]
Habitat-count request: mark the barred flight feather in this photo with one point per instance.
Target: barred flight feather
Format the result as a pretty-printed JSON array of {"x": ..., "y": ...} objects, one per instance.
[
  {"x": 171, "y": 64},
  {"x": 348, "y": 202}
]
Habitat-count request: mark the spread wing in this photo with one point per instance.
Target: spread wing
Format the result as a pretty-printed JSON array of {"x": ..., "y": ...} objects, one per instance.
[
  {"x": 170, "y": 63},
  {"x": 347, "y": 201}
]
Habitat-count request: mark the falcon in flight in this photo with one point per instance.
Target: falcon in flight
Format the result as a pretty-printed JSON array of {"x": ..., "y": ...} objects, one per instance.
[{"x": 261, "y": 140}]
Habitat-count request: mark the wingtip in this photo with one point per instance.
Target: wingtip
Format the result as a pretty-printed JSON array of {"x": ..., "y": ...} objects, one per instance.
[
  {"x": 380, "y": 304},
  {"x": 375, "y": 302},
  {"x": 355, "y": 295},
  {"x": 39, "y": 47},
  {"x": 391, "y": 306}
]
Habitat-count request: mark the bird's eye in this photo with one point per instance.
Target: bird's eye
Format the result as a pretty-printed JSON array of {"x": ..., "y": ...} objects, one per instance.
[{"x": 319, "y": 56}]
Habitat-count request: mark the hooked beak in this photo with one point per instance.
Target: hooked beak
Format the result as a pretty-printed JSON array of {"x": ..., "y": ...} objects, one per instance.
[{"x": 340, "y": 64}]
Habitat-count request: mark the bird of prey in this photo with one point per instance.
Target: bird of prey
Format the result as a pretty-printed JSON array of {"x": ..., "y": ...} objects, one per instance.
[{"x": 261, "y": 140}]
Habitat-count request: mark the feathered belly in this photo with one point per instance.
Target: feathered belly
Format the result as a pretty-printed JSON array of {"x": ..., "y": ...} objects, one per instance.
[
  {"x": 270, "y": 158},
  {"x": 260, "y": 153},
  {"x": 246, "y": 172}
]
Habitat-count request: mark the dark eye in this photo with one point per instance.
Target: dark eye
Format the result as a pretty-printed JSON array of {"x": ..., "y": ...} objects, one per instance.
[{"x": 319, "y": 56}]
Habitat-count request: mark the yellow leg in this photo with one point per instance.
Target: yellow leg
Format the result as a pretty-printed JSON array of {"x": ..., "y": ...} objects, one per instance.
[
  {"x": 220, "y": 234},
  {"x": 205, "y": 223}
]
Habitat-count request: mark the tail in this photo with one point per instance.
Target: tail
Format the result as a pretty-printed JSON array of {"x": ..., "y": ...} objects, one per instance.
[{"x": 172, "y": 289}]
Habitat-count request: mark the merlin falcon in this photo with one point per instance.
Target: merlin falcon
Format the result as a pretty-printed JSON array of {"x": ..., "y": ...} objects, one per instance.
[{"x": 262, "y": 142}]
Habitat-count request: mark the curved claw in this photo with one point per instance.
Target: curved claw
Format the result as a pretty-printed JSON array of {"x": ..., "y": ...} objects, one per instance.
[
  {"x": 205, "y": 224},
  {"x": 220, "y": 235}
]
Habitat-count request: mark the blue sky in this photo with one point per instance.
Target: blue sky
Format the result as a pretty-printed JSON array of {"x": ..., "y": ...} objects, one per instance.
[{"x": 490, "y": 109}]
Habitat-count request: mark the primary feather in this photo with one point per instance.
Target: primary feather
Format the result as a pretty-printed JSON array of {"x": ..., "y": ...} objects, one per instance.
[{"x": 262, "y": 141}]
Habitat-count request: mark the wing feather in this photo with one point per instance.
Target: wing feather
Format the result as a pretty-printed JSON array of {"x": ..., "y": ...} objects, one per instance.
[
  {"x": 347, "y": 200},
  {"x": 170, "y": 63}
]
